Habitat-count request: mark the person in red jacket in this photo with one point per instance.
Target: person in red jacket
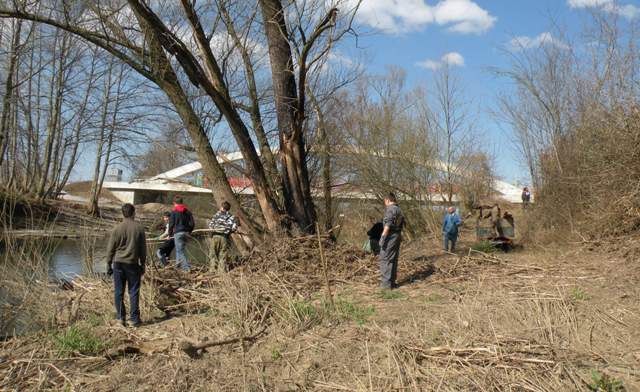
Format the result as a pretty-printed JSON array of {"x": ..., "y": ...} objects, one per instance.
[{"x": 181, "y": 224}]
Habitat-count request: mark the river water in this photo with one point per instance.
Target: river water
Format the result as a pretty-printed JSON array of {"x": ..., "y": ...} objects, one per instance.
[{"x": 73, "y": 257}]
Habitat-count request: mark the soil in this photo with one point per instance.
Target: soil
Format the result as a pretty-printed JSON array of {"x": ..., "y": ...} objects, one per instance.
[{"x": 559, "y": 318}]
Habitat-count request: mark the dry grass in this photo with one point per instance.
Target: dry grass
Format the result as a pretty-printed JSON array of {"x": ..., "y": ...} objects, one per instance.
[{"x": 476, "y": 322}]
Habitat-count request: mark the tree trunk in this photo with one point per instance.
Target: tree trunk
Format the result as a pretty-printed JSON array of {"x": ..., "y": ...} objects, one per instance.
[
  {"x": 53, "y": 123},
  {"x": 78, "y": 124},
  {"x": 211, "y": 80},
  {"x": 94, "y": 208},
  {"x": 325, "y": 162},
  {"x": 267, "y": 156},
  {"x": 112, "y": 131},
  {"x": 212, "y": 169},
  {"x": 8, "y": 91},
  {"x": 295, "y": 178}
]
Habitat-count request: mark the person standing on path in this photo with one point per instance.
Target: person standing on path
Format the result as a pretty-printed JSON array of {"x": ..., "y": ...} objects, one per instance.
[
  {"x": 393, "y": 222},
  {"x": 126, "y": 259},
  {"x": 526, "y": 198},
  {"x": 450, "y": 229},
  {"x": 223, "y": 223},
  {"x": 181, "y": 224}
]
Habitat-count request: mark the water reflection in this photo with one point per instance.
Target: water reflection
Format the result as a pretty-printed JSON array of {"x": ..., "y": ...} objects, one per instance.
[{"x": 75, "y": 257}]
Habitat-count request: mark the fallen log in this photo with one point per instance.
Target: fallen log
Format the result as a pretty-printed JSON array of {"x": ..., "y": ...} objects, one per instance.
[{"x": 194, "y": 349}]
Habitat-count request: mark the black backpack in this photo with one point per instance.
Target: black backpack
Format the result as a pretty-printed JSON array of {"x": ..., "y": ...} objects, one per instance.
[{"x": 190, "y": 223}]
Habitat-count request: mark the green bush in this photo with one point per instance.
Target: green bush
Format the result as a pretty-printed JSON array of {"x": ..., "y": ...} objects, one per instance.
[
  {"x": 76, "y": 340},
  {"x": 309, "y": 314},
  {"x": 601, "y": 382},
  {"x": 484, "y": 247},
  {"x": 434, "y": 297},
  {"x": 275, "y": 354},
  {"x": 391, "y": 294},
  {"x": 577, "y": 294},
  {"x": 304, "y": 311},
  {"x": 347, "y": 310}
]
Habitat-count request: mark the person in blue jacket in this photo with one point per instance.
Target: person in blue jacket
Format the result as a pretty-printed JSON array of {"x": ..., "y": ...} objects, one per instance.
[{"x": 450, "y": 229}]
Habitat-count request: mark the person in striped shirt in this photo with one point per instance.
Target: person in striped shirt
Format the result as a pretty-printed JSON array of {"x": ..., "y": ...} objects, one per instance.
[{"x": 222, "y": 224}]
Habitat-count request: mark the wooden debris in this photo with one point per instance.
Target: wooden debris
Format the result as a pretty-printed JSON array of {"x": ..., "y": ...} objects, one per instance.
[{"x": 193, "y": 349}]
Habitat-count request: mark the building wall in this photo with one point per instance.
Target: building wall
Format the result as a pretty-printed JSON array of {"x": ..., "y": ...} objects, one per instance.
[{"x": 124, "y": 196}]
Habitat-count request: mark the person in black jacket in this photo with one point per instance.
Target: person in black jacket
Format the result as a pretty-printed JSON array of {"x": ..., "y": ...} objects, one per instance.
[
  {"x": 165, "y": 249},
  {"x": 181, "y": 224},
  {"x": 526, "y": 198},
  {"x": 374, "y": 234}
]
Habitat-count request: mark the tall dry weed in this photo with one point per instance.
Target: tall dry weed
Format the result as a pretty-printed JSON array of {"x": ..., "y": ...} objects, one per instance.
[{"x": 591, "y": 186}]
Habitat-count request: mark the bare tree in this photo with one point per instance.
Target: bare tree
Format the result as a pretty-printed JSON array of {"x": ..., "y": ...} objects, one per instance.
[
  {"x": 453, "y": 130},
  {"x": 154, "y": 48},
  {"x": 8, "y": 88},
  {"x": 574, "y": 116},
  {"x": 387, "y": 143}
]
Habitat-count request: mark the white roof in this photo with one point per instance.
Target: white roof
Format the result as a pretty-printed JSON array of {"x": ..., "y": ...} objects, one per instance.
[
  {"x": 195, "y": 166},
  {"x": 167, "y": 181},
  {"x": 508, "y": 192}
]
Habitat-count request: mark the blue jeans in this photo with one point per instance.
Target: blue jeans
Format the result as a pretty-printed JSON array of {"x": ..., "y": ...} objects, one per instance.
[
  {"x": 127, "y": 275},
  {"x": 450, "y": 238},
  {"x": 180, "y": 241}
]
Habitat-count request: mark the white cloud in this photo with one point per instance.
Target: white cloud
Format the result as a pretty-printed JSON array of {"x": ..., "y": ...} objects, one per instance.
[
  {"x": 400, "y": 16},
  {"x": 588, "y": 3},
  {"x": 452, "y": 59},
  {"x": 628, "y": 11},
  {"x": 463, "y": 16},
  {"x": 523, "y": 42}
]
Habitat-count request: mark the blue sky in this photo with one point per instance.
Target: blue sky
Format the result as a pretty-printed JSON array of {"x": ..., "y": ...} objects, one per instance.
[
  {"x": 473, "y": 36},
  {"x": 416, "y": 34}
]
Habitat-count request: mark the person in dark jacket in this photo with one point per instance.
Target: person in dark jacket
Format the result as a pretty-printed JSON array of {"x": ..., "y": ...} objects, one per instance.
[
  {"x": 181, "y": 224},
  {"x": 126, "y": 259},
  {"x": 393, "y": 222},
  {"x": 374, "y": 234},
  {"x": 526, "y": 197},
  {"x": 164, "y": 250}
]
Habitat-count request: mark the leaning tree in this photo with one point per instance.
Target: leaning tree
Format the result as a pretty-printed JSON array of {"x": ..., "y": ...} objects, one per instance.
[{"x": 176, "y": 45}]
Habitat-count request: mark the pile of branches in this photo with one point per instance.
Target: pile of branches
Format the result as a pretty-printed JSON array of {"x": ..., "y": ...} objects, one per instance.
[
  {"x": 299, "y": 262},
  {"x": 519, "y": 363},
  {"x": 504, "y": 352}
]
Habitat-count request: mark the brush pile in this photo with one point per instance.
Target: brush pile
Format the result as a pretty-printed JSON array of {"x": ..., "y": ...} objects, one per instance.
[{"x": 298, "y": 262}]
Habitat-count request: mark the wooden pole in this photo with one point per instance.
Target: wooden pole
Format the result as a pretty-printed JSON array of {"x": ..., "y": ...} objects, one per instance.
[{"x": 324, "y": 267}]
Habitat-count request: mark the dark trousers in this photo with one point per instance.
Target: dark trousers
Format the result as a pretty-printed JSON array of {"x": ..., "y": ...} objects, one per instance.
[
  {"x": 127, "y": 275},
  {"x": 375, "y": 245},
  {"x": 389, "y": 261},
  {"x": 164, "y": 251},
  {"x": 450, "y": 239}
]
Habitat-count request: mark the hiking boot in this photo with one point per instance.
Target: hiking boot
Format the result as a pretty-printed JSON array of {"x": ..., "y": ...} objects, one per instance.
[
  {"x": 116, "y": 322},
  {"x": 136, "y": 324}
]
